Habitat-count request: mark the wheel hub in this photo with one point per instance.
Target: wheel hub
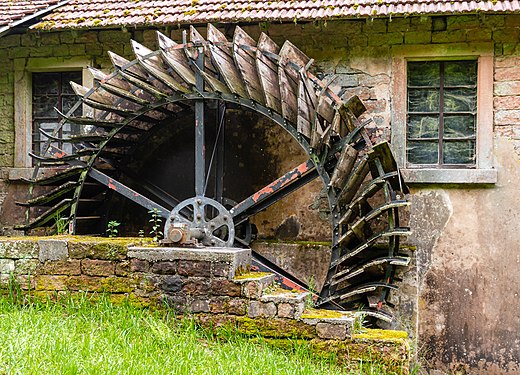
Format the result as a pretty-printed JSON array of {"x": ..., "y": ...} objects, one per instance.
[{"x": 200, "y": 220}]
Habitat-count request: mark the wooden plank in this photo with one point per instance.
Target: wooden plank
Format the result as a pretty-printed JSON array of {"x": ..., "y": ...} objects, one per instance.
[
  {"x": 112, "y": 80},
  {"x": 293, "y": 60},
  {"x": 326, "y": 109},
  {"x": 123, "y": 64},
  {"x": 176, "y": 58},
  {"x": 344, "y": 166},
  {"x": 288, "y": 96},
  {"x": 197, "y": 38},
  {"x": 268, "y": 72},
  {"x": 245, "y": 60},
  {"x": 354, "y": 181},
  {"x": 222, "y": 55}
]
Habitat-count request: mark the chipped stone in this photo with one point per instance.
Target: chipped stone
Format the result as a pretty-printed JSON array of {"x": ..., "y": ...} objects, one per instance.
[
  {"x": 260, "y": 309},
  {"x": 331, "y": 331}
]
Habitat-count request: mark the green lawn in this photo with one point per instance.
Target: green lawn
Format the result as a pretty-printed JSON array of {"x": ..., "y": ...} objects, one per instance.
[{"x": 79, "y": 337}]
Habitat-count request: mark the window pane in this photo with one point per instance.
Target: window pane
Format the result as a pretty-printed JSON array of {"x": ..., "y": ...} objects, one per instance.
[
  {"x": 459, "y": 152},
  {"x": 457, "y": 73},
  {"x": 460, "y": 100},
  {"x": 423, "y": 73},
  {"x": 423, "y": 126},
  {"x": 420, "y": 152},
  {"x": 459, "y": 126},
  {"x": 43, "y": 106},
  {"x": 66, "y": 88},
  {"x": 46, "y": 83},
  {"x": 68, "y": 102},
  {"x": 423, "y": 100}
]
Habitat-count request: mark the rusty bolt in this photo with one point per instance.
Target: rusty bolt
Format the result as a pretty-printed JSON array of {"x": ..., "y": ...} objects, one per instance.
[{"x": 199, "y": 202}]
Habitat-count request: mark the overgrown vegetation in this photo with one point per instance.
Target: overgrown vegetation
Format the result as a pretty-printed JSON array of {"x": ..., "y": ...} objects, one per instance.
[{"x": 77, "y": 335}]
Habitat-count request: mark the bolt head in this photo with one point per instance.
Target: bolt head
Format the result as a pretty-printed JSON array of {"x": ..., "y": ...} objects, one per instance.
[
  {"x": 199, "y": 201},
  {"x": 226, "y": 218},
  {"x": 213, "y": 242},
  {"x": 199, "y": 217}
]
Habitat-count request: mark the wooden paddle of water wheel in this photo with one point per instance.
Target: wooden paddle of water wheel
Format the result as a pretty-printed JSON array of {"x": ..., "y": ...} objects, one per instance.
[{"x": 361, "y": 179}]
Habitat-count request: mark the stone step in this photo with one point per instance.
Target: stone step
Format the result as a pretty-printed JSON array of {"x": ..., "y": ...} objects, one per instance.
[
  {"x": 331, "y": 324},
  {"x": 289, "y": 304},
  {"x": 253, "y": 284}
]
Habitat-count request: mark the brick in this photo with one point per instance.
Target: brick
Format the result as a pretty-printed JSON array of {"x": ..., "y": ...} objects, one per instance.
[
  {"x": 398, "y": 24},
  {"x": 103, "y": 249},
  {"x": 10, "y": 41},
  {"x": 219, "y": 305},
  {"x": 507, "y": 88},
  {"x": 221, "y": 269},
  {"x": 463, "y": 22},
  {"x": 50, "y": 38},
  {"x": 96, "y": 267},
  {"x": 61, "y": 267},
  {"x": 506, "y": 102},
  {"x": 77, "y": 49},
  {"x": 138, "y": 265},
  {"x": 224, "y": 287},
  {"x": 478, "y": 35},
  {"x": 164, "y": 268},
  {"x": 66, "y": 37},
  {"x": 194, "y": 268},
  {"x": 260, "y": 309},
  {"x": 195, "y": 286},
  {"x": 331, "y": 331},
  {"x": 172, "y": 284}
]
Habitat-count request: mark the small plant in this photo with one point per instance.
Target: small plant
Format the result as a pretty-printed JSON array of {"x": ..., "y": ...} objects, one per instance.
[
  {"x": 156, "y": 221},
  {"x": 61, "y": 224},
  {"x": 141, "y": 237},
  {"x": 112, "y": 228},
  {"x": 310, "y": 300}
]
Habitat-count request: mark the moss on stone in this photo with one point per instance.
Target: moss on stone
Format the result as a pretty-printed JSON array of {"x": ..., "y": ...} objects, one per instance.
[
  {"x": 252, "y": 275},
  {"x": 321, "y": 314},
  {"x": 380, "y": 334},
  {"x": 274, "y": 327}
]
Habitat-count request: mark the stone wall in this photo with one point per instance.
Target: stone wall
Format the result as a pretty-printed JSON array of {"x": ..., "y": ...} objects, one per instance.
[{"x": 214, "y": 286}]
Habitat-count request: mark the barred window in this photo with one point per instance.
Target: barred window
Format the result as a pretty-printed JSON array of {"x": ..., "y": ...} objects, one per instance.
[
  {"x": 441, "y": 114},
  {"x": 49, "y": 91}
]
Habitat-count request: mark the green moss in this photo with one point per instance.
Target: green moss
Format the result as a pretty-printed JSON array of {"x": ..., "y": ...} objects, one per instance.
[
  {"x": 321, "y": 314},
  {"x": 380, "y": 334},
  {"x": 304, "y": 243},
  {"x": 274, "y": 327},
  {"x": 252, "y": 275}
]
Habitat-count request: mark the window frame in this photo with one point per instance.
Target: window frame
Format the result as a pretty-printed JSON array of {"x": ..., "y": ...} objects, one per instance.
[
  {"x": 484, "y": 171},
  {"x": 23, "y": 69}
]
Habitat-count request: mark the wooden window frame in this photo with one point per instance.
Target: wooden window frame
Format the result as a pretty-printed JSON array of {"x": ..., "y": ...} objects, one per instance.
[
  {"x": 23, "y": 69},
  {"x": 484, "y": 171}
]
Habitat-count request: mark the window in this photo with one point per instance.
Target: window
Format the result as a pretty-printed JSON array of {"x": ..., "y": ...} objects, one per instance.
[
  {"x": 40, "y": 84},
  {"x": 442, "y": 108},
  {"x": 442, "y": 112},
  {"x": 49, "y": 91}
]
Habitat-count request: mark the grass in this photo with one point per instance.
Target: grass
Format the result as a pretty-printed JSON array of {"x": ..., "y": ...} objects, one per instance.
[{"x": 77, "y": 336}]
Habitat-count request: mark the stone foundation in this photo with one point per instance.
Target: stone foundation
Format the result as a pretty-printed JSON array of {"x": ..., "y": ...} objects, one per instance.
[{"x": 214, "y": 286}]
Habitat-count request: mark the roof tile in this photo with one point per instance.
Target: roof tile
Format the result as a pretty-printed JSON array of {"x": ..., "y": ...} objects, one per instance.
[{"x": 107, "y": 13}]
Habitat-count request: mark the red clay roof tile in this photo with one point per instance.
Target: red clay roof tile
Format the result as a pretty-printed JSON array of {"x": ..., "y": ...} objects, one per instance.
[
  {"x": 114, "y": 13},
  {"x": 15, "y": 10}
]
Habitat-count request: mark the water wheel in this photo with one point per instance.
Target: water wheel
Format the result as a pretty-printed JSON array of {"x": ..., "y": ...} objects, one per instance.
[{"x": 182, "y": 83}]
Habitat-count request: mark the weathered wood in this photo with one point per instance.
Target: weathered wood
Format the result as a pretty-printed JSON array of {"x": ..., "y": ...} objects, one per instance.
[
  {"x": 344, "y": 166},
  {"x": 349, "y": 273},
  {"x": 268, "y": 72},
  {"x": 222, "y": 56},
  {"x": 175, "y": 58},
  {"x": 288, "y": 95},
  {"x": 197, "y": 38},
  {"x": 126, "y": 66},
  {"x": 293, "y": 60},
  {"x": 325, "y": 109},
  {"x": 112, "y": 80},
  {"x": 245, "y": 60},
  {"x": 305, "y": 112},
  {"x": 354, "y": 181}
]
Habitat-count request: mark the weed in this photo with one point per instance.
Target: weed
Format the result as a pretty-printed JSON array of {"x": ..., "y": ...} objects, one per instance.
[
  {"x": 112, "y": 228},
  {"x": 156, "y": 221},
  {"x": 311, "y": 297},
  {"x": 61, "y": 224}
]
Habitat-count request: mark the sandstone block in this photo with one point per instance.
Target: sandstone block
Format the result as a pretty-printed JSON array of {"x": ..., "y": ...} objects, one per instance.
[
  {"x": 194, "y": 268},
  {"x": 331, "y": 331},
  {"x": 237, "y": 306},
  {"x": 51, "y": 282},
  {"x": 507, "y": 88},
  {"x": 175, "y": 302},
  {"x": 104, "y": 249},
  {"x": 285, "y": 310},
  {"x": 61, "y": 267},
  {"x": 26, "y": 266},
  {"x": 172, "y": 284},
  {"x": 6, "y": 266},
  {"x": 53, "y": 250},
  {"x": 18, "y": 249},
  {"x": 195, "y": 286},
  {"x": 138, "y": 265},
  {"x": 164, "y": 268},
  {"x": 224, "y": 287},
  {"x": 261, "y": 309},
  {"x": 199, "y": 305},
  {"x": 122, "y": 268},
  {"x": 96, "y": 267},
  {"x": 219, "y": 305}
]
